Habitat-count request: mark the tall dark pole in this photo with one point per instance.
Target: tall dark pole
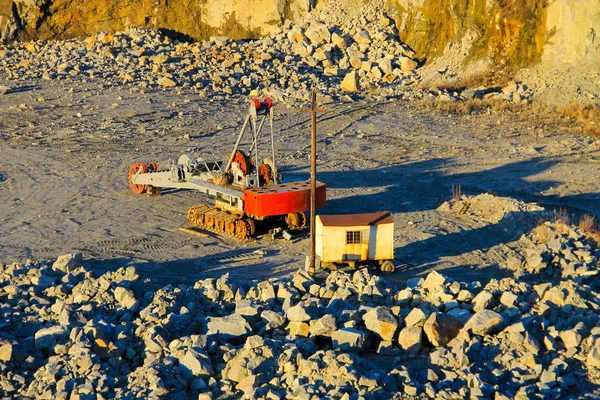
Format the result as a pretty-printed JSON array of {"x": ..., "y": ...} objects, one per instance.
[{"x": 313, "y": 183}]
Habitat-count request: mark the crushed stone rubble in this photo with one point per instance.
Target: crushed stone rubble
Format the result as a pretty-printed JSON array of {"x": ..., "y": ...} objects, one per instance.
[
  {"x": 555, "y": 249},
  {"x": 342, "y": 58},
  {"x": 66, "y": 332},
  {"x": 491, "y": 208}
]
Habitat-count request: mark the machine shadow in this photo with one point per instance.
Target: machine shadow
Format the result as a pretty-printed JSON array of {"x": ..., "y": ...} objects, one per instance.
[
  {"x": 423, "y": 185},
  {"x": 187, "y": 270}
]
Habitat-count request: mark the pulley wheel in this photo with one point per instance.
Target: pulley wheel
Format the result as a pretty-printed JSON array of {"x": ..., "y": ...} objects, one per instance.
[{"x": 135, "y": 169}]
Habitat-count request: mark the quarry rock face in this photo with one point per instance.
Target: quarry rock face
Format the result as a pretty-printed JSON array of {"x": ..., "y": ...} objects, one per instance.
[
  {"x": 575, "y": 26},
  {"x": 557, "y": 32},
  {"x": 51, "y": 19}
]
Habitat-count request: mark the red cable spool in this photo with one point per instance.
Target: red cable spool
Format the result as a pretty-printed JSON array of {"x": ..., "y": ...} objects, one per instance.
[{"x": 246, "y": 164}]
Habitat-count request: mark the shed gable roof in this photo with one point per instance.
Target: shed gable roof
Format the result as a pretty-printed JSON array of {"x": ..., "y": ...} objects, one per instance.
[{"x": 368, "y": 219}]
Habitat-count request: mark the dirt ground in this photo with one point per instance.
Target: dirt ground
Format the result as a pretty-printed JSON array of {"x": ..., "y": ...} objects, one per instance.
[{"x": 65, "y": 152}]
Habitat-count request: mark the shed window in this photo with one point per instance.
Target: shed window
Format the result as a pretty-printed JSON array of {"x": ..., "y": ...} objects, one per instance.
[{"x": 355, "y": 237}]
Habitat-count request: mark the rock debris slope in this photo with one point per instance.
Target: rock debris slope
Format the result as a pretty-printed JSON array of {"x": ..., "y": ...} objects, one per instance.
[{"x": 67, "y": 333}]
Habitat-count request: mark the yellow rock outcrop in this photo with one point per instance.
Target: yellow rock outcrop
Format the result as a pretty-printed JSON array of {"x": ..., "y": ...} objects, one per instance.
[{"x": 196, "y": 19}]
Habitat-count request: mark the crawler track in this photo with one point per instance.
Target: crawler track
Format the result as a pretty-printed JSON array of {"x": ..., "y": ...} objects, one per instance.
[{"x": 222, "y": 222}]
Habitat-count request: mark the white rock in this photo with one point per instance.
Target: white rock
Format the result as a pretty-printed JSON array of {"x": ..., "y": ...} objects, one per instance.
[
  {"x": 317, "y": 34},
  {"x": 299, "y": 313},
  {"x": 274, "y": 320},
  {"x": 416, "y": 316},
  {"x": 324, "y": 326},
  {"x": 434, "y": 282},
  {"x": 410, "y": 339},
  {"x": 166, "y": 82},
  {"x": 339, "y": 41},
  {"x": 196, "y": 364},
  {"x": 349, "y": 339},
  {"x": 68, "y": 262},
  {"x": 508, "y": 299},
  {"x": 571, "y": 338},
  {"x": 386, "y": 66},
  {"x": 407, "y": 65},
  {"x": 355, "y": 57},
  {"x": 232, "y": 325},
  {"x": 125, "y": 298},
  {"x": 46, "y": 338},
  {"x": 362, "y": 37},
  {"x": 6, "y": 351},
  {"x": 482, "y": 300},
  {"x": 484, "y": 322},
  {"x": 381, "y": 321},
  {"x": 593, "y": 358},
  {"x": 350, "y": 83}
]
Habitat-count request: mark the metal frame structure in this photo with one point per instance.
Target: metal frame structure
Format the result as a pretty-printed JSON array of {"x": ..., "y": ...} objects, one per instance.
[{"x": 240, "y": 188}]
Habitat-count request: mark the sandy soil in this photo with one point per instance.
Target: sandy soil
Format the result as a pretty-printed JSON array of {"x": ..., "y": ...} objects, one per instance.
[{"x": 65, "y": 152}]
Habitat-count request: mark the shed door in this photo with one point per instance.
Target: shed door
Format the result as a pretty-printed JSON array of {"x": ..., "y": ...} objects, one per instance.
[{"x": 357, "y": 245}]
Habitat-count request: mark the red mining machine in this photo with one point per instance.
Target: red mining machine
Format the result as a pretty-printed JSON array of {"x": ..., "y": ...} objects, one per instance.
[{"x": 248, "y": 199}]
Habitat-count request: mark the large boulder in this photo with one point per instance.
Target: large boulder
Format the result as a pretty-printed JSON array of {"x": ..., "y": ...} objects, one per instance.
[
  {"x": 349, "y": 339},
  {"x": 484, "y": 322},
  {"x": 125, "y": 298},
  {"x": 323, "y": 326},
  {"x": 47, "y": 338},
  {"x": 166, "y": 82},
  {"x": 350, "y": 82},
  {"x": 407, "y": 65},
  {"x": 318, "y": 34},
  {"x": 6, "y": 351},
  {"x": 410, "y": 339},
  {"x": 381, "y": 321},
  {"x": 68, "y": 262},
  {"x": 482, "y": 301},
  {"x": 571, "y": 338},
  {"x": 196, "y": 364},
  {"x": 416, "y": 316},
  {"x": 274, "y": 320},
  {"x": 300, "y": 313},
  {"x": 298, "y": 328},
  {"x": 593, "y": 358},
  {"x": 434, "y": 282},
  {"x": 230, "y": 326},
  {"x": 362, "y": 37},
  {"x": 302, "y": 280},
  {"x": 355, "y": 57},
  {"x": 338, "y": 41},
  {"x": 441, "y": 328}
]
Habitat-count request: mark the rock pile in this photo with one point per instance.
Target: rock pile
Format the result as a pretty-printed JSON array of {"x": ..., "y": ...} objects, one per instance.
[
  {"x": 67, "y": 333},
  {"x": 560, "y": 251},
  {"x": 491, "y": 208},
  {"x": 337, "y": 56}
]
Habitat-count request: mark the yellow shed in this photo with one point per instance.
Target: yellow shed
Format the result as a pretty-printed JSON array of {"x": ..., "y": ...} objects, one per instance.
[{"x": 352, "y": 238}]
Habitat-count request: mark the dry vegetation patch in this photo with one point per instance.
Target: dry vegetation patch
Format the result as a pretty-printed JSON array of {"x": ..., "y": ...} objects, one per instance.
[
  {"x": 577, "y": 117},
  {"x": 587, "y": 116}
]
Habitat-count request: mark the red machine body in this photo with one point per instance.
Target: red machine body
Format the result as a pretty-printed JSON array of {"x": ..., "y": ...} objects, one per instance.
[{"x": 282, "y": 199}]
